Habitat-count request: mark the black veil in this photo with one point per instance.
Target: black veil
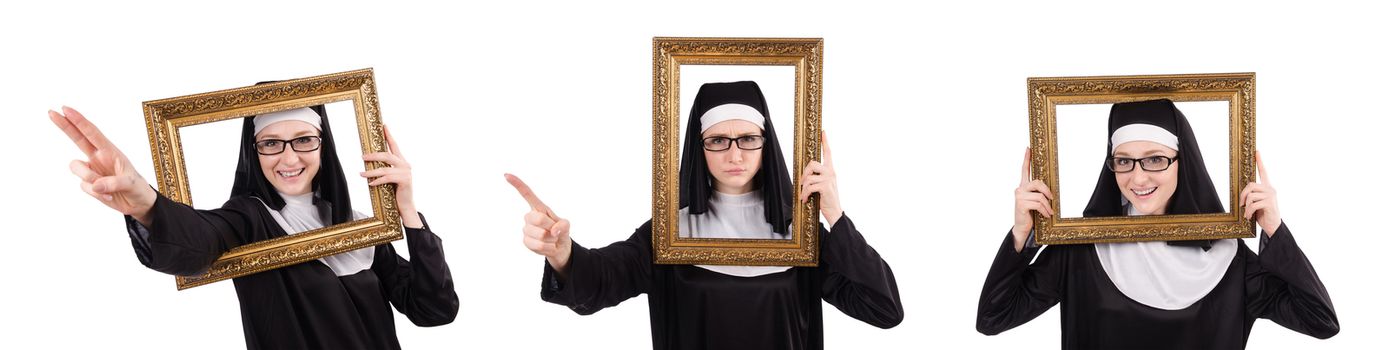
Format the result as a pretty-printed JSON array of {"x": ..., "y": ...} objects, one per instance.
[
  {"x": 772, "y": 178},
  {"x": 1195, "y": 193}
]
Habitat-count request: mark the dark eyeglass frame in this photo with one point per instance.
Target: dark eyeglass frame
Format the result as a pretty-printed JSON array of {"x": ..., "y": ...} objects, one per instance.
[
  {"x": 289, "y": 144},
  {"x": 732, "y": 142},
  {"x": 1138, "y": 163}
]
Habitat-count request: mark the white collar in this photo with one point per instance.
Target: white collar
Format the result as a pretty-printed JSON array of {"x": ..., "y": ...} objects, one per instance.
[
  {"x": 300, "y": 214},
  {"x": 732, "y": 216},
  {"x": 1164, "y": 276}
]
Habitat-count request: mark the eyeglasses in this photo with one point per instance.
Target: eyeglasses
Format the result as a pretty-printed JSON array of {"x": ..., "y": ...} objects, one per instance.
[
  {"x": 1151, "y": 163},
  {"x": 721, "y": 143},
  {"x": 270, "y": 147}
]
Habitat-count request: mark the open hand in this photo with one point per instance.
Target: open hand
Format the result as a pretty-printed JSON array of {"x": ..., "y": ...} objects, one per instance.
[{"x": 107, "y": 175}]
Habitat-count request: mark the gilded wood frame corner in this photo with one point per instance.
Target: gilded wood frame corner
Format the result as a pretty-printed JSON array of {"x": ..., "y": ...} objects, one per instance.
[
  {"x": 1044, "y": 94},
  {"x": 164, "y": 117},
  {"x": 668, "y": 54}
]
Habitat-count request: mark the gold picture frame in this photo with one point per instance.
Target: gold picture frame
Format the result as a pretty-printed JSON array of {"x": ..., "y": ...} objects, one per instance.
[
  {"x": 164, "y": 117},
  {"x": 1045, "y": 94},
  {"x": 668, "y": 55}
]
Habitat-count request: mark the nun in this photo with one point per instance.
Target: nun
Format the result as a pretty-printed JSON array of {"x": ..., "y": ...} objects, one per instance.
[
  {"x": 734, "y": 183},
  {"x": 288, "y": 180},
  {"x": 1155, "y": 295}
]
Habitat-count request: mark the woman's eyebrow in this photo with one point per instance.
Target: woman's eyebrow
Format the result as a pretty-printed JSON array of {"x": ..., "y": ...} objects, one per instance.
[{"x": 268, "y": 136}]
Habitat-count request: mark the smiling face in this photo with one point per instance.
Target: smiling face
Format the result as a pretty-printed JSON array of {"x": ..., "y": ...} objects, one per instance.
[
  {"x": 1147, "y": 191},
  {"x": 291, "y": 172},
  {"x": 733, "y": 169}
]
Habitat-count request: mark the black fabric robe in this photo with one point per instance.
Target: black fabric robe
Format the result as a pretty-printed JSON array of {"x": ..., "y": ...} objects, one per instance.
[
  {"x": 694, "y": 308},
  {"x": 1278, "y": 284},
  {"x": 303, "y": 306}
]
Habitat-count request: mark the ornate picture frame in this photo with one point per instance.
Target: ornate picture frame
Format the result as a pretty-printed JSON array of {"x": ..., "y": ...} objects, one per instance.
[
  {"x": 1045, "y": 94},
  {"x": 164, "y": 117},
  {"x": 668, "y": 56}
]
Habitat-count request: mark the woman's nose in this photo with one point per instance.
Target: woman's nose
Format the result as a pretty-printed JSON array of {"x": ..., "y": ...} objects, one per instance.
[
  {"x": 1141, "y": 176},
  {"x": 289, "y": 157},
  {"x": 735, "y": 155}
]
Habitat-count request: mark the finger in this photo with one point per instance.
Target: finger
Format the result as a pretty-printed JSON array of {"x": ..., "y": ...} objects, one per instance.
[
  {"x": 1245, "y": 192},
  {"x": 1260, "y": 166},
  {"x": 83, "y": 171},
  {"x": 536, "y": 246},
  {"x": 1044, "y": 206},
  {"x": 87, "y": 188},
  {"x": 534, "y": 232},
  {"x": 1254, "y": 198},
  {"x": 1027, "y": 159},
  {"x": 71, "y": 130},
  {"x": 560, "y": 229},
  {"x": 88, "y": 129},
  {"x": 825, "y": 148},
  {"x": 526, "y": 193},
  {"x": 1040, "y": 187},
  {"x": 1040, "y": 207},
  {"x": 1250, "y": 188},
  {"x": 388, "y": 179},
  {"x": 111, "y": 185},
  {"x": 391, "y": 141},
  {"x": 1040, "y": 199},
  {"x": 384, "y": 157},
  {"x": 382, "y": 172},
  {"x": 812, "y": 168},
  {"x": 806, "y": 192},
  {"x": 1254, "y": 209},
  {"x": 539, "y": 219}
]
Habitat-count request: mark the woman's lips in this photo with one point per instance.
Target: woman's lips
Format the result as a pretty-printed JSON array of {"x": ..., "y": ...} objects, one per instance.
[
  {"x": 290, "y": 174},
  {"x": 1144, "y": 193},
  {"x": 735, "y": 172}
]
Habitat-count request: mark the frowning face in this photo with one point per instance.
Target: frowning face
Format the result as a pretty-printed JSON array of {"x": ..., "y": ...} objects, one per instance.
[{"x": 733, "y": 168}]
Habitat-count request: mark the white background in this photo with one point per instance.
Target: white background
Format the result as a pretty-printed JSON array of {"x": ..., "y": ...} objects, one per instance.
[
  {"x": 924, "y": 105},
  {"x": 1083, "y": 133}
]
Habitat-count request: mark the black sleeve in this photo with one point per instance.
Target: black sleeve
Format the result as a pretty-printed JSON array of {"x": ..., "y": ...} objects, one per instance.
[
  {"x": 421, "y": 288},
  {"x": 855, "y": 278},
  {"x": 599, "y": 278},
  {"x": 1282, "y": 286},
  {"x": 183, "y": 241},
  {"x": 1016, "y": 292}
]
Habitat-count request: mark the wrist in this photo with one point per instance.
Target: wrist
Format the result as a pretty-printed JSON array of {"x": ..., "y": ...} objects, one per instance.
[
  {"x": 560, "y": 261},
  {"x": 833, "y": 215}
]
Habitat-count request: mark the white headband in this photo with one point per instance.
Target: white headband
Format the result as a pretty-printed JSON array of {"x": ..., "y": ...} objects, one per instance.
[
  {"x": 1143, "y": 132},
  {"x": 301, "y": 114},
  {"x": 730, "y": 111}
]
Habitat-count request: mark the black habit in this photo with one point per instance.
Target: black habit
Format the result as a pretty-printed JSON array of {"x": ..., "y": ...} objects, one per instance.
[
  {"x": 694, "y": 308},
  {"x": 1278, "y": 284},
  {"x": 303, "y": 306}
]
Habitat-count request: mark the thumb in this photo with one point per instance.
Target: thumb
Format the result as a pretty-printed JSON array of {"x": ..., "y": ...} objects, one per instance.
[
  {"x": 560, "y": 229},
  {"x": 108, "y": 185}
]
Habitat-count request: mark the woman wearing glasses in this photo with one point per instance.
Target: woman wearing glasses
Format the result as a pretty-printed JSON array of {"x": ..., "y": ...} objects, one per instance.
[
  {"x": 288, "y": 180},
  {"x": 734, "y": 183},
  {"x": 1155, "y": 295}
]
